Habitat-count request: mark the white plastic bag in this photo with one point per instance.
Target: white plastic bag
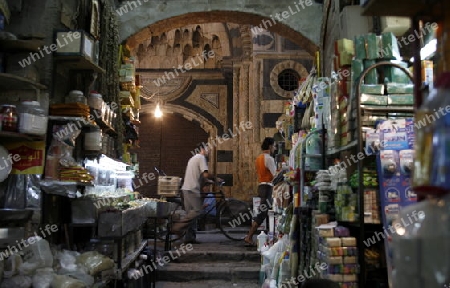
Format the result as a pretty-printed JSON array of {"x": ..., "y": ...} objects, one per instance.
[
  {"x": 36, "y": 255},
  {"x": 43, "y": 277}
]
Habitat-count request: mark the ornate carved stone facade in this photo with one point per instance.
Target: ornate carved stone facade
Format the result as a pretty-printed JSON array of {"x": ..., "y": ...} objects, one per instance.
[{"x": 227, "y": 96}]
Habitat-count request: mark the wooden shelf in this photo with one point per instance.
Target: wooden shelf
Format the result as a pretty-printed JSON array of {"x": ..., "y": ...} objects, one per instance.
[
  {"x": 15, "y": 46},
  {"x": 14, "y": 82},
  {"x": 405, "y": 8},
  {"x": 20, "y": 136},
  {"x": 388, "y": 109},
  {"x": 75, "y": 62}
]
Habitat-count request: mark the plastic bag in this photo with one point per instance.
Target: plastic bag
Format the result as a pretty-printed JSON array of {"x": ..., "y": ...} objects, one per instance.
[
  {"x": 37, "y": 255},
  {"x": 62, "y": 281},
  {"x": 95, "y": 262},
  {"x": 12, "y": 265},
  {"x": 15, "y": 192},
  {"x": 19, "y": 281},
  {"x": 43, "y": 278},
  {"x": 67, "y": 260},
  {"x": 33, "y": 191}
]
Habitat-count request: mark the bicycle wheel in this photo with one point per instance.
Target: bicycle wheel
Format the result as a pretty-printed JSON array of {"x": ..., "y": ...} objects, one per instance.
[{"x": 235, "y": 219}]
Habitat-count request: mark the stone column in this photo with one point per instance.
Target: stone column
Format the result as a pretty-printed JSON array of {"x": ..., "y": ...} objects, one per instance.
[{"x": 236, "y": 170}]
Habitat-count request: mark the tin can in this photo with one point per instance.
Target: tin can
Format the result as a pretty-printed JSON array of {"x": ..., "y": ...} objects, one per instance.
[{"x": 9, "y": 118}]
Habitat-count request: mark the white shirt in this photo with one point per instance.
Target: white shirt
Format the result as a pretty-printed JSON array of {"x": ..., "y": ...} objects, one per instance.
[{"x": 195, "y": 167}]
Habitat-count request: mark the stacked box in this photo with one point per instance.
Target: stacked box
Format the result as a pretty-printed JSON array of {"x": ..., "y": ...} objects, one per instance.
[
  {"x": 339, "y": 251},
  {"x": 344, "y": 51},
  {"x": 389, "y": 49},
  {"x": 372, "y": 76},
  {"x": 371, "y": 206}
]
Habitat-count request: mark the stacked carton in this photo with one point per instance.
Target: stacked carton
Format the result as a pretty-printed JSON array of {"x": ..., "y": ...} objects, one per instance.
[
  {"x": 344, "y": 52},
  {"x": 340, "y": 254}
]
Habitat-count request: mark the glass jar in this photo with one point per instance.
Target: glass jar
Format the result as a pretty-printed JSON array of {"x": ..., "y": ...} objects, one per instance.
[{"x": 9, "y": 118}]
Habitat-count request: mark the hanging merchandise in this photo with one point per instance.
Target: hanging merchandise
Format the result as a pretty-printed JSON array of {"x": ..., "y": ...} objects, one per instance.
[
  {"x": 304, "y": 96},
  {"x": 396, "y": 155}
]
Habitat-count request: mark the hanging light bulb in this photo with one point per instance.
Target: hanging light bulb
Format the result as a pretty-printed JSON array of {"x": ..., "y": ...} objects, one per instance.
[{"x": 158, "y": 112}]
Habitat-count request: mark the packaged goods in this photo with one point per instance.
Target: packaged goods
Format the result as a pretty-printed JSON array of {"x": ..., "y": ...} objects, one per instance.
[
  {"x": 360, "y": 47},
  {"x": 372, "y": 89},
  {"x": 401, "y": 99},
  {"x": 399, "y": 88},
  {"x": 378, "y": 100},
  {"x": 371, "y": 46},
  {"x": 372, "y": 76},
  {"x": 344, "y": 45},
  {"x": 357, "y": 69},
  {"x": 389, "y": 46}
]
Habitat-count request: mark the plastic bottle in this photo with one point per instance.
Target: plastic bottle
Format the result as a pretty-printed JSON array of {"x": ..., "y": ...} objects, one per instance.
[
  {"x": 262, "y": 239},
  {"x": 421, "y": 250},
  {"x": 425, "y": 122}
]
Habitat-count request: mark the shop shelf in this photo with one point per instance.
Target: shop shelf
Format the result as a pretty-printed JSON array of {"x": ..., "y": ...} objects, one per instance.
[
  {"x": 337, "y": 150},
  {"x": 14, "y": 82},
  {"x": 75, "y": 62},
  {"x": 20, "y": 136},
  {"x": 21, "y": 45},
  {"x": 388, "y": 109}
]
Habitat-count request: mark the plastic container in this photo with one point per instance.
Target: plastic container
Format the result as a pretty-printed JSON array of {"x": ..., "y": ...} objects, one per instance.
[
  {"x": 262, "y": 239},
  {"x": 75, "y": 96},
  {"x": 95, "y": 101},
  {"x": 32, "y": 118}
]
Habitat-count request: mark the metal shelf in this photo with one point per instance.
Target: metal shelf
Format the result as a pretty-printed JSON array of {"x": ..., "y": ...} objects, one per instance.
[{"x": 337, "y": 150}]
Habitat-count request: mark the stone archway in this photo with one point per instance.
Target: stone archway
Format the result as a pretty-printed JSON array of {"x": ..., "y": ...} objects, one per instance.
[{"x": 302, "y": 26}]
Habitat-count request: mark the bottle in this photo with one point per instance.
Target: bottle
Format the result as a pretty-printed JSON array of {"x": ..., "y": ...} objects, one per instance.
[
  {"x": 262, "y": 239},
  {"x": 440, "y": 168},
  {"x": 425, "y": 122},
  {"x": 421, "y": 250}
]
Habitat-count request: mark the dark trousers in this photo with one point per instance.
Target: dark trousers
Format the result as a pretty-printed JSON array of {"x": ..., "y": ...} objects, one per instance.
[{"x": 265, "y": 193}]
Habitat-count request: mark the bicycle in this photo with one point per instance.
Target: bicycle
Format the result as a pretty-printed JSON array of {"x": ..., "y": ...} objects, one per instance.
[{"x": 233, "y": 217}]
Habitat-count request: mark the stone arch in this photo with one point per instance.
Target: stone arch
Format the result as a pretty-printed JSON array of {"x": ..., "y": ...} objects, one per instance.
[{"x": 164, "y": 22}]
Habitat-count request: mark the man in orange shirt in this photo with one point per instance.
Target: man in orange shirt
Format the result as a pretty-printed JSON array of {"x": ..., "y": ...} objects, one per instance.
[{"x": 266, "y": 170}]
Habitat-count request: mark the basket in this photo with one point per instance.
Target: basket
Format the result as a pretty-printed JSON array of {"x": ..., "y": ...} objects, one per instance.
[{"x": 168, "y": 185}]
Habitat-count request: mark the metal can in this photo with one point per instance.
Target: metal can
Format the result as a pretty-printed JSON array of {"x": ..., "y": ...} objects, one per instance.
[{"x": 9, "y": 118}]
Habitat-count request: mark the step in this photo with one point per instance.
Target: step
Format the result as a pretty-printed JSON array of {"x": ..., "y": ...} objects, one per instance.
[
  {"x": 186, "y": 272},
  {"x": 198, "y": 256},
  {"x": 209, "y": 284}
]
